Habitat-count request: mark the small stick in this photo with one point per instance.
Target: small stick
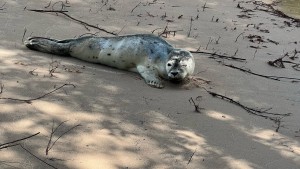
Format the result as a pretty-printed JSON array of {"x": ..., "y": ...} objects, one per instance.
[
  {"x": 25, "y": 30},
  {"x": 37, "y": 98},
  {"x": 204, "y": 7},
  {"x": 37, "y": 157},
  {"x": 63, "y": 135},
  {"x": 149, "y": 14},
  {"x": 51, "y": 135},
  {"x": 189, "y": 33},
  {"x": 48, "y": 4},
  {"x": 199, "y": 48},
  {"x": 257, "y": 112},
  {"x": 1, "y": 88},
  {"x": 238, "y": 36},
  {"x": 135, "y": 7},
  {"x": 278, "y": 122},
  {"x": 45, "y": 11},
  {"x": 121, "y": 29},
  {"x": 33, "y": 73},
  {"x": 77, "y": 20},
  {"x": 254, "y": 55},
  {"x": 1, "y": 8},
  {"x": 220, "y": 56},
  {"x": 18, "y": 140},
  {"x": 235, "y": 52},
  {"x": 50, "y": 146},
  {"x": 217, "y": 41},
  {"x": 208, "y": 43},
  {"x": 7, "y": 146},
  {"x": 191, "y": 157},
  {"x": 277, "y": 78},
  {"x": 197, "y": 108}
]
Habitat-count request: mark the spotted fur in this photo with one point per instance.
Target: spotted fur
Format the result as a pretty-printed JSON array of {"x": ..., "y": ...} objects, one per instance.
[{"x": 151, "y": 56}]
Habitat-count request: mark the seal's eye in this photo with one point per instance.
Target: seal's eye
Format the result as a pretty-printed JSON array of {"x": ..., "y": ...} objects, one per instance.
[
  {"x": 183, "y": 65},
  {"x": 169, "y": 64}
]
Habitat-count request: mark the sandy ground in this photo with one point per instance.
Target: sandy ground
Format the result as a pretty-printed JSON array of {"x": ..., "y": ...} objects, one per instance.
[{"x": 126, "y": 124}]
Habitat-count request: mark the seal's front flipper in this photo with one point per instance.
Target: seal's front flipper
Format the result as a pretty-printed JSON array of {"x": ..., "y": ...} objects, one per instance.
[
  {"x": 48, "y": 45},
  {"x": 151, "y": 76}
]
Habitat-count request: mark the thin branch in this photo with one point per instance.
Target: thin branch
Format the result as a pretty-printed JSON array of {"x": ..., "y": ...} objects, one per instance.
[
  {"x": 196, "y": 106},
  {"x": 254, "y": 55},
  {"x": 37, "y": 98},
  {"x": 189, "y": 33},
  {"x": 47, "y": 6},
  {"x": 25, "y": 30},
  {"x": 278, "y": 122},
  {"x": 135, "y": 7},
  {"x": 1, "y": 88},
  {"x": 50, "y": 143},
  {"x": 37, "y": 157},
  {"x": 280, "y": 62},
  {"x": 204, "y": 7},
  {"x": 235, "y": 52},
  {"x": 191, "y": 157},
  {"x": 7, "y": 146},
  {"x": 261, "y": 113},
  {"x": 47, "y": 11},
  {"x": 63, "y": 135},
  {"x": 1, "y": 7},
  {"x": 271, "y": 9},
  {"x": 217, "y": 41},
  {"x": 121, "y": 29},
  {"x": 77, "y": 20},
  {"x": 51, "y": 135},
  {"x": 277, "y": 78},
  {"x": 1, "y": 145},
  {"x": 208, "y": 43},
  {"x": 238, "y": 36},
  {"x": 220, "y": 56}
]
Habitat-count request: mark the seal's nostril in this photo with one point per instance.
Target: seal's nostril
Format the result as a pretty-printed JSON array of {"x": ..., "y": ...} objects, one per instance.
[{"x": 174, "y": 73}]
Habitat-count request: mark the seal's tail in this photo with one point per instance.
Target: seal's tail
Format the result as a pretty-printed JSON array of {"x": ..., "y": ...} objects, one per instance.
[{"x": 47, "y": 45}]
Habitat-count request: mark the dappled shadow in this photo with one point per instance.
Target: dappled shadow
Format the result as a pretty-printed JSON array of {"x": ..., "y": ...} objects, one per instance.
[{"x": 123, "y": 122}]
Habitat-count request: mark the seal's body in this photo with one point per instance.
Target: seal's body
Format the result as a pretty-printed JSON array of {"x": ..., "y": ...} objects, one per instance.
[{"x": 148, "y": 55}]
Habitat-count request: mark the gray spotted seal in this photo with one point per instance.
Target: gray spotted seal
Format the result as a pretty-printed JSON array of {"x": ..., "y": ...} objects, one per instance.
[{"x": 149, "y": 55}]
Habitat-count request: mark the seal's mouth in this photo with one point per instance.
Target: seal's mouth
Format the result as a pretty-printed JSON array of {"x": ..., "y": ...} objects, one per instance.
[{"x": 175, "y": 76}]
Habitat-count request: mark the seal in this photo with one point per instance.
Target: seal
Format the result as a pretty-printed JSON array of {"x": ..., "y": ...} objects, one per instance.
[{"x": 149, "y": 55}]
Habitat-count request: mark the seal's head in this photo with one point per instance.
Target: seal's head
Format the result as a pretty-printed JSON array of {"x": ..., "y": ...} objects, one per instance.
[{"x": 180, "y": 65}]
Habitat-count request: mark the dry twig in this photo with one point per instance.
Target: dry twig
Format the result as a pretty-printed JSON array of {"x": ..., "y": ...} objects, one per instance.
[
  {"x": 277, "y": 78},
  {"x": 191, "y": 157},
  {"x": 2, "y": 7},
  {"x": 1, "y": 88},
  {"x": 239, "y": 36},
  {"x": 50, "y": 143},
  {"x": 210, "y": 40},
  {"x": 166, "y": 32},
  {"x": 189, "y": 33},
  {"x": 72, "y": 18},
  {"x": 37, "y": 98},
  {"x": 275, "y": 117},
  {"x": 25, "y": 30},
  {"x": 196, "y": 106},
  {"x": 204, "y": 7},
  {"x": 135, "y": 7},
  {"x": 37, "y": 157},
  {"x": 220, "y": 56},
  {"x": 10, "y": 144},
  {"x": 269, "y": 8}
]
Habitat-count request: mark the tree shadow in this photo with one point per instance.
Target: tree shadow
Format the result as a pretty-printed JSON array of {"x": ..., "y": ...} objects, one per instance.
[{"x": 124, "y": 123}]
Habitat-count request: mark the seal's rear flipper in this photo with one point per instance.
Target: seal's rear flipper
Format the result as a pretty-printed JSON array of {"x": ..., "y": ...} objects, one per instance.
[{"x": 47, "y": 45}]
